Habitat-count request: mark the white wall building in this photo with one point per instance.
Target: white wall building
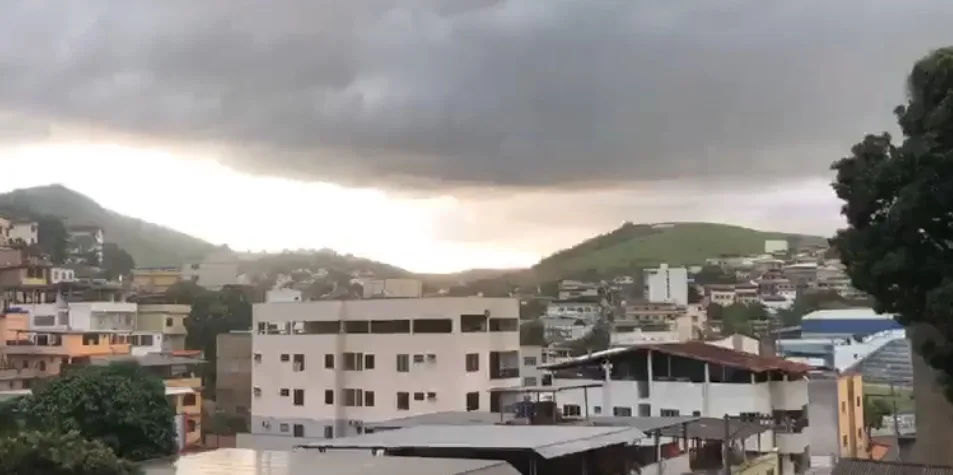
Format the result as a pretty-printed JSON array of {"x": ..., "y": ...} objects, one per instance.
[
  {"x": 62, "y": 274},
  {"x": 143, "y": 343},
  {"x": 323, "y": 368},
  {"x": 82, "y": 316},
  {"x": 26, "y": 231},
  {"x": 691, "y": 378},
  {"x": 215, "y": 271},
  {"x": 574, "y": 289},
  {"x": 590, "y": 312},
  {"x": 392, "y": 288},
  {"x": 667, "y": 284},
  {"x": 772, "y": 246}
]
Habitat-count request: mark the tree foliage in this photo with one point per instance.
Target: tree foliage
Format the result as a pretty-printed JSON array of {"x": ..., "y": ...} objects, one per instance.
[
  {"x": 212, "y": 313},
  {"x": 116, "y": 261},
  {"x": 533, "y": 333},
  {"x": 53, "y": 453},
  {"x": 122, "y": 406},
  {"x": 875, "y": 409},
  {"x": 898, "y": 201},
  {"x": 738, "y": 318}
]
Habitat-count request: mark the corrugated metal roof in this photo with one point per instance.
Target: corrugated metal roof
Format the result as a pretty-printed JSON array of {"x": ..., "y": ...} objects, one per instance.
[
  {"x": 547, "y": 441},
  {"x": 699, "y": 351},
  {"x": 251, "y": 462},
  {"x": 847, "y": 314},
  {"x": 453, "y": 418},
  {"x": 848, "y": 466},
  {"x": 644, "y": 424}
]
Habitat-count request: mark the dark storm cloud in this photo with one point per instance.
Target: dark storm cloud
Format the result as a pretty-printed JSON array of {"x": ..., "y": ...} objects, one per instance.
[{"x": 481, "y": 92}]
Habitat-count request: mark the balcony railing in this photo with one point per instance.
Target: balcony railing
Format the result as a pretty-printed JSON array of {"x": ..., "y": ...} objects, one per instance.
[{"x": 505, "y": 373}]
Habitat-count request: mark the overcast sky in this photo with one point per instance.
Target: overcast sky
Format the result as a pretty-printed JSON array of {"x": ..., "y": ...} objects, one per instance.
[{"x": 534, "y": 122}]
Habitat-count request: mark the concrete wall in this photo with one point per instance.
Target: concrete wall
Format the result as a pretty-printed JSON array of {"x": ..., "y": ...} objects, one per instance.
[
  {"x": 233, "y": 370},
  {"x": 822, "y": 416}
]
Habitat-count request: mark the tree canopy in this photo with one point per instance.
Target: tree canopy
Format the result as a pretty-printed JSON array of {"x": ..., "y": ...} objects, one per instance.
[
  {"x": 52, "y": 453},
  {"x": 122, "y": 406},
  {"x": 898, "y": 201},
  {"x": 116, "y": 261}
]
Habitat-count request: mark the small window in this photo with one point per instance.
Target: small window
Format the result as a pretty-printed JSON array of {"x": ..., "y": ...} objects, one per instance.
[
  {"x": 418, "y": 396},
  {"x": 328, "y": 432},
  {"x": 298, "y": 430},
  {"x": 329, "y": 361},
  {"x": 283, "y": 428},
  {"x": 368, "y": 361},
  {"x": 529, "y": 381},
  {"x": 369, "y": 398},
  {"x": 597, "y": 409},
  {"x": 645, "y": 410},
  {"x": 858, "y": 401},
  {"x": 168, "y": 322},
  {"x": 669, "y": 412},
  {"x": 529, "y": 361},
  {"x": 403, "y": 363},
  {"x": 860, "y": 433},
  {"x": 844, "y": 441},
  {"x": 418, "y": 359},
  {"x": 621, "y": 411},
  {"x": 473, "y": 401},
  {"x": 298, "y": 362},
  {"x": 431, "y": 358},
  {"x": 473, "y": 362},
  {"x": 188, "y": 400},
  {"x": 42, "y": 365},
  {"x": 284, "y": 392},
  {"x": 697, "y": 413},
  {"x": 285, "y": 357},
  {"x": 403, "y": 401},
  {"x": 431, "y": 396},
  {"x": 843, "y": 406},
  {"x": 329, "y": 396},
  {"x": 572, "y": 410}
]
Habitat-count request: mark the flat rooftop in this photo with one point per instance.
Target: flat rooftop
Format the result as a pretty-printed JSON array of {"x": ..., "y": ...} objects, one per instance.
[
  {"x": 476, "y": 418},
  {"x": 148, "y": 360},
  {"x": 547, "y": 441},
  {"x": 251, "y": 462}
]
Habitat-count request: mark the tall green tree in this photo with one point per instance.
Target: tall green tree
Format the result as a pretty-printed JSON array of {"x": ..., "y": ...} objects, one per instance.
[
  {"x": 875, "y": 409},
  {"x": 52, "y": 453},
  {"x": 116, "y": 261},
  {"x": 123, "y": 406},
  {"x": 212, "y": 314},
  {"x": 898, "y": 244}
]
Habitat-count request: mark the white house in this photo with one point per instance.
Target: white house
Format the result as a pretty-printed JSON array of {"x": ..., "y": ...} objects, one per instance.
[
  {"x": 62, "y": 274},
  {"x": 324, "y": 368},
  {"x": 82, "y": 316},
  {"x": 25, "y": 231},
  {"x": 690, "y": 378},
  {"x": 666, "y": 284}
]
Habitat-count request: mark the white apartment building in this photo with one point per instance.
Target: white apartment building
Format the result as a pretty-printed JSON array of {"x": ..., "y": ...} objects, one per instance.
[
  {"x": 82, "y": 316},
  {"x": 217, "y": 270},
  {"x": 26, "y": 231},
  {"x": 574, "y": 289},
  {"x": 666, "y": 284},
  {"x": 590, "y": 312},
  {"x": 692, "y": 378},
  {"x": 62, "y": 274},
  {"x": 324, "y": 368}
]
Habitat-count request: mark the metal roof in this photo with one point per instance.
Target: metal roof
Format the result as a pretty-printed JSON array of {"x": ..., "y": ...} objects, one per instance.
[
  {"x": 450, "y": 418},
  {"x": 251, "y": 462},
  {"x": 712, "y": 428},
  {"x": 848, "y": 466},
  {"x": 547, "y": 441},
  {"x": 644, "y": 424},
  {"x": 696, "y": 350}
]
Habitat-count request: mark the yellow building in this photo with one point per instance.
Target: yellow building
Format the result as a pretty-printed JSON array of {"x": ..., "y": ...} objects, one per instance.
[
  {"x": 850, "y": 416},
  {"x": 169, "y": 319},
  {"x": 187, "y": 401},
  {"x": 155, "y": 279},
  {"x": 766, "y": 464}
]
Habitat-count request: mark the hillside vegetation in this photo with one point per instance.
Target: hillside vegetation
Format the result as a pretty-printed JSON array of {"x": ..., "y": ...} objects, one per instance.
[
  {"x": 149, "y": 244},
  {"x": 641, "y": 245}
]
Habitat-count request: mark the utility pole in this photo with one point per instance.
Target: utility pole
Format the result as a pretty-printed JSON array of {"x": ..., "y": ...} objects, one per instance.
[
  {"x": 896, "y": 420},
  {"x": 725, "y": 447}
]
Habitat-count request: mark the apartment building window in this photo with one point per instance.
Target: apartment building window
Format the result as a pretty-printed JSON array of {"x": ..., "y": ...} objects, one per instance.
[
  {"x": 298, "y": 362},
  {"x": 403, "y": 401},
  {"x": 353, "y": 361},
  {"x": 188, "y": 400},
  {"x": 844, "y": 441},
  {"x": 329, "y": 396},
  {"x": 283, "y": 428},
  {"x": 529, "y": 381},
  {"x": 368, "y": 361},
  {"x": 284, "y": 392},
  {"x": 431, "y": 396},
  {"x": 572, "y": 410},
  {"x": 620, "y": 411},
  {"x": 645, "y": 410},
  {"x": 42, "y": 366},
  {"x": 168, "y": 322},
  {"x": 284, "y": 357},
  {"x": 597, "y": 410},
  {"x": 858, "y": 401},
  {"x": 369, "y": 398},
  {"x": 529, "y": 361},
  {"x": 328, "y": 432},
  {"x": 473, "y": 362},
  {"x": 418, "y": 359},
  {"x": 329, "y": 361},
  {"x": 668, "y": 412},
  {"x": 298, "y": 430},
  {"x": 473, "y": 401},
  {"x": 418, "y": 396},
  {"x": 843, "y": 406},
  {"x": 299, "y": 397},
  {"x": 353, "y": 397},
  {"x": 403, "y": 363}
]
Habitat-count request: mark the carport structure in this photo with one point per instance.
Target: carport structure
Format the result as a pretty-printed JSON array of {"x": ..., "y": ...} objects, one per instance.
[{"x": 532, "y": 450}]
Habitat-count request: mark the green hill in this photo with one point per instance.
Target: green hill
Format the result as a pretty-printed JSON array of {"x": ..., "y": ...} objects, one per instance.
[
  {"x": 149, "y": 244},
  {"x": 640, "y": 245}
]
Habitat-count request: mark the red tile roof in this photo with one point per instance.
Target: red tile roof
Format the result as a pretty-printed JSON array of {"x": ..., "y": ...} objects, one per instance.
[{"x": 697, "y": 350}]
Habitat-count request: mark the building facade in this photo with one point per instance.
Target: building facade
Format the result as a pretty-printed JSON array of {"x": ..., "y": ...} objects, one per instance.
[
  {"x": 666, "y": 284},
  {"x": 167, "y": 319},
  {"x": 233, "y": 373},
  {"x": 324, "y": 368},
  {"x": 155, "y": 279}
]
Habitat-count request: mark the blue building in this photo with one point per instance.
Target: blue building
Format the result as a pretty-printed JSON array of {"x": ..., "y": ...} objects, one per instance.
[{"x": 846, "y": 323}]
